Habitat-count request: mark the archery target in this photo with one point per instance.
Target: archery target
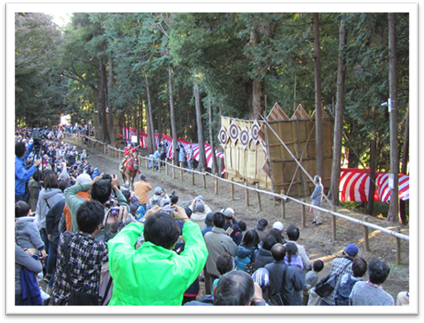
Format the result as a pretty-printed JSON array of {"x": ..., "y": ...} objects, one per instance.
[
  {"x": 254, "y": 131},
  {"x": 223, "y": 136},
  {"x": 244, "y": 137},
  {"x": 234, "y": 132}
]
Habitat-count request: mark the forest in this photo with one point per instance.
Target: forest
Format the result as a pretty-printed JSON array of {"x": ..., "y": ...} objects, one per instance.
[{"x": 177, "y": 73}]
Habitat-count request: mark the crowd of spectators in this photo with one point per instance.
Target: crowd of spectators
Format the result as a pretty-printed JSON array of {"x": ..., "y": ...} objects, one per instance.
[{"x": 95, "y": 243}]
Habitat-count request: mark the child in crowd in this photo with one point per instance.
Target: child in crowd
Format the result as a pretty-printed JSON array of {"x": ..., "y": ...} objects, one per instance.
[
  {"x": 347, "y": 281},
  {"x": 311, "y": 279}
]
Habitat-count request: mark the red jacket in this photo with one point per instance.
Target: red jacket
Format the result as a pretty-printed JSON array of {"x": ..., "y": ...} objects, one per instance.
[{"x": 129, "y": 151}]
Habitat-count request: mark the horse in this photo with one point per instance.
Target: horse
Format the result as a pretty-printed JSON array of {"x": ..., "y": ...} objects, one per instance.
[{"x": 129, "y": 171}]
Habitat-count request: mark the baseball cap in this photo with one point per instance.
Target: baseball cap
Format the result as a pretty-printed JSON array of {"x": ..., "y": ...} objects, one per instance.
[
  {"x": 83, "y": 178},
  {"x": 278, "y": 225},
  {"x": 158, "y": 190},
  {"x": 262, "y": 223},
  {"x": 351, "y": 250},
  {"x": 199, "y": 207},
  {"x": 228, "y": 212}
]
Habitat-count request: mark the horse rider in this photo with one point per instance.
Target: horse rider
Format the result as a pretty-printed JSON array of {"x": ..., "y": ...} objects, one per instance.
[{"x": 129, "y": 150}]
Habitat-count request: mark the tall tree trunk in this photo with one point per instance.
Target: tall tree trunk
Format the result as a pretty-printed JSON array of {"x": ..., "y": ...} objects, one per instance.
[
  {"x": 215, "y": 168},
  {"x": 159, "y": 119},
  {"x": 202, "y": 157},
  {"x": 149, "y": 122},
  {"x": 102, "y": 101},
  {"x": 404, "y": 167},
  {"x": 319, "y": 138},
  {"x": 394, "y": 146},
  {"x": 371, "y": 190},
  {"x": 109, "y": 103},
  {"x": 172, "y": 115},
  {"x": 338, "y": 122},
  {"x": 258, "y": 90}
]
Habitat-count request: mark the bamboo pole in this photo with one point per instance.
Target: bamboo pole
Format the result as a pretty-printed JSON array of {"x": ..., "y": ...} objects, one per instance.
[
  {"x": 366, "y": 235},
  {"x": 259, "y": 198}
]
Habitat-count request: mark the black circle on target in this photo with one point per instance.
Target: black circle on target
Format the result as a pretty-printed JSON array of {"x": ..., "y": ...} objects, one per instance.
[
  {"x": 234, "y": 131},
  {"x": 254, "y": 132},
  {"x": 223, "y": 136},
  {"x": 244, "y": 137}
]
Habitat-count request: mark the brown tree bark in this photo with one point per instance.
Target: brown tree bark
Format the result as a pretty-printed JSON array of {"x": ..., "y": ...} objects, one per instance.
[
  {"x": 200, "y": 137},
  {"x": 149, "y": 122},
  {"x": 109, "y": 102},
  {"x": 319, "y": 138},
  {"x": 393, "y": 215},
  {"x": 215, "y": 168},
  {"x": 373, "y": 153},
  {"x": 338, "y": 122},
  {"x": 404, "y": 168},
  {"x": 172, "y": 115},
  {"x": 102, "y": 101}
]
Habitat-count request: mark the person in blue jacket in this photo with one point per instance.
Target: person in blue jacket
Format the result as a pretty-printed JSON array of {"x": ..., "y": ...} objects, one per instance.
[
  {"x": 248, "y": 249},
  {"x": 22, "y": 175}
]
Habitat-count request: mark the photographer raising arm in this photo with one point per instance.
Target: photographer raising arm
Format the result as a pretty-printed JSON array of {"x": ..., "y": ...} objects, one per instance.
[{"x": 154, "y": 274}]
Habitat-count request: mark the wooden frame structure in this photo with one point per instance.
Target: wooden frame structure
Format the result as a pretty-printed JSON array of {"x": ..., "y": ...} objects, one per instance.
[{"x": 254, "y": 154}]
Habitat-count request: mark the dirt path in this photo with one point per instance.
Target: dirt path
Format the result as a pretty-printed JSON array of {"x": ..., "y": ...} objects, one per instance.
[{"x": 317, "y": 240}]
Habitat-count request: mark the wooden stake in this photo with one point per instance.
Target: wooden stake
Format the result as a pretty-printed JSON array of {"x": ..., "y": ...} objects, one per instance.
[
  {"x": 232, "y": 189},
  {"x": 166, "y": 167},
  {"x": 366, "y": 235},
  {"x": 283, "y": 204},
  {"x": 204, "y": 178},
  {"x": 303, "y": 212},
  {"x": 259, "y": 198},
  {"x": 246, "y": 194},
  {"x": 334, "y": 222},
  {"x": 216, "y": 184},
  {"x": 181, "y": 174},
  {"x": 192, "y": 178},
  {"x": 398, "y": 241}
]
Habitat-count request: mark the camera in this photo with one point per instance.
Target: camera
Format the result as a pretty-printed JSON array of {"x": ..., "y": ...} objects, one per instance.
[
  {"x": 114, "y": 210},
  {"x": 109, "y": 203},
  {"x": 107, "y": 177}
]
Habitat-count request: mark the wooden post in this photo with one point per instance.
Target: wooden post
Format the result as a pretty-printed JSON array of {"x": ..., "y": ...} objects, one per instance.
[
  {"x": 119, "y": 155},
  {"x": 232, "y": 189},
  {"x": 181, "y": 174},
  {"x": 259, "y": 197},
  {"x": 166, "y": 167},
  {"x": 147, "y": 166},
  {"x": 159, "y": 165},
  {"x": 104, "y": 149},
  {"x": 334, "y": 221},
  {"x": 173, "y": 171},
  {"x": 283, "y": 204},
  {"x": 192, "y": 178},
  {"x": 303, "y": 212},
  {"x": 398, "y": 260},
  {"x": 204, "y": 178},
  {"x": 246, "y": 194},
  {"x": 216, "y": 184},
  {"x": 366, "y": 235}
]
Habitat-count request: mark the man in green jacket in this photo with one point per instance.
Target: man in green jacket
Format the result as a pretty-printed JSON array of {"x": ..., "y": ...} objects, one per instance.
[
  {"x": 100, "y": 190},
  {"x": 154, "y": 274}
]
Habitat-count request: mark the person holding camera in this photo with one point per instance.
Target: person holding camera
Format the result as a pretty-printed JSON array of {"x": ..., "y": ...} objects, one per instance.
[
  {"x": 154, "y": 274},
  {"x": 22, "y": 175},
  {"x": 100, "y": 190},
  {"x": 142, "y": 189}
]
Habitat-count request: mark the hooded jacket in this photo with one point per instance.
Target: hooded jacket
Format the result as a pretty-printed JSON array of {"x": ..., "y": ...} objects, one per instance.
[
  {"x": 46, "y": 200},
  {"x": 244, "y": 256},
  {"x": 153, "y": 275},
  {"x": 27, "y": 234}
]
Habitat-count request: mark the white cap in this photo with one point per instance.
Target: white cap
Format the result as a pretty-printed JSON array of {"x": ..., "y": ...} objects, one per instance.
[{"x": 278, "y": 225}]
